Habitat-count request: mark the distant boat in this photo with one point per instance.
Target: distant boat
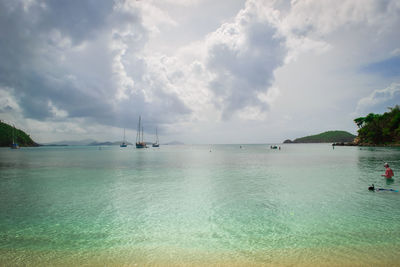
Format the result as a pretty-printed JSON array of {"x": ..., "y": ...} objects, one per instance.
[
  {"x": 274, "y": 147},
  {"x": 139, "y": 136},
  {"x": 156, "y": 144},
  {"x": 124, "y": 141},
  {"x": 14, "y": 144}
]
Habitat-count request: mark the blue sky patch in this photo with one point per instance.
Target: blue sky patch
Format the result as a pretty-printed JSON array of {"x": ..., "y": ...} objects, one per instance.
[{"x": 387, "y": 68}]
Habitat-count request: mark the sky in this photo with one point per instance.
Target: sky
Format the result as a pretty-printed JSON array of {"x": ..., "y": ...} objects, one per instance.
[{"x": 200, "y": 71}]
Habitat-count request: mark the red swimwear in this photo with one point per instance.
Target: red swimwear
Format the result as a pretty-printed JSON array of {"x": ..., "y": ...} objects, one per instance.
[{"x": 389, "y": 173}]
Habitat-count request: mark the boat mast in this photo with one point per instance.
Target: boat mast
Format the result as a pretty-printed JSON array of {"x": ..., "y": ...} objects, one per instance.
[
  {"x": 138, "y": 132},
  {"x": 156, "y": 136},
  {"x": 13, "y": 134}
]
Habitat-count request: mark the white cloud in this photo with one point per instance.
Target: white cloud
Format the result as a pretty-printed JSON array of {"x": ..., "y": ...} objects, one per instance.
[
  {"x": 153, "y": 17},
  {"x": 241, "y": 57},
  {"x": 395, "y": 52},
  {"x": 386, "y": 97},
  {"x": 310, "y": 25},
  {"x": 186, "y": 63},
  {"x": 177, "y": 2},
  {"x": 8, "y": 103},
  {"x": 57, "y": 113},
  {"x": 270, "y": 96}
]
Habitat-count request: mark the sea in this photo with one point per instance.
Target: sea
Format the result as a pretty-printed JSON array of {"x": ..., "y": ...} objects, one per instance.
[{"x": 199, "y": 205}]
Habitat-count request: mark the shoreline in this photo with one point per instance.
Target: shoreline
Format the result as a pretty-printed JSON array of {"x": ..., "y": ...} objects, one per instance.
[
  {"x": 381, "y": 255},
  {"x": 365, "y": 145}
]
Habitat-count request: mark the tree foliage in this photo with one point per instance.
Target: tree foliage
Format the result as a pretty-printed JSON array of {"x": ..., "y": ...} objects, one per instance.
[
  {"x": 6, "y": 136},
  {"x": 380, "y": 128}
]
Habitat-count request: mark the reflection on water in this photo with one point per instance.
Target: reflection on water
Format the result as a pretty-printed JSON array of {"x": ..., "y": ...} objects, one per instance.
[{"x": 182, "y": 204}]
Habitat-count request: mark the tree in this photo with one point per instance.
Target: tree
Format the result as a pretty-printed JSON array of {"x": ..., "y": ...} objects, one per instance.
[
  {"x": 380, "y": 128},
  {"x": 359, "y": 121}
]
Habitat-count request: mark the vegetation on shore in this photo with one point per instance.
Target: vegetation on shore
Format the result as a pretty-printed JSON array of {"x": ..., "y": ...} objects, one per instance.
[
  {"x": 20, "y": 137},
  {"x": 379, "y": 129},
  {"x": 325, "y": 137}
]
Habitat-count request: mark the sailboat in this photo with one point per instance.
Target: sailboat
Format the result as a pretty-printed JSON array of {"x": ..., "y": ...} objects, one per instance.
[
  {"x": 14, "y": 144},
  {"x": 156, "y": 144},
  {"x": 124, "y": 141},
  {"x": 139, "y": 136}
]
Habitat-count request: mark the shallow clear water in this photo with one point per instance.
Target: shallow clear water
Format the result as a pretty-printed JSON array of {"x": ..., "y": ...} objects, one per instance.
[{"x": 185, "y": 205}]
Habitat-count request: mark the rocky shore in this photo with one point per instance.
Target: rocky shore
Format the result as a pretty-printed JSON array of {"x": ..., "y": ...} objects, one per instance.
[{"x": 344, "y": 144}]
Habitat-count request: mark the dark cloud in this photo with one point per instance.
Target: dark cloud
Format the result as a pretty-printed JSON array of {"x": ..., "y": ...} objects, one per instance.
[
  {"x": 63, "y": 54},
  {"x": 77, "y": 19},
  {"x": 6, "y": 109},
  {"x": 242, "y": 70}
]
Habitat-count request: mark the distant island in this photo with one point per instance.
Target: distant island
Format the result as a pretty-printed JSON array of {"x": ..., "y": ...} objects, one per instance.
[
  {"x": 374, "y": 130},
  {"x": 173, "y": 143},
  {"x": 379, "y": 129},
  {"x": 117, "y": 143},
  {"x": 6, "y": 136},
  {"x": 91, "y": 142},
  {"x": 325, "y": 137},
  {"x": 86, "y": 142}
]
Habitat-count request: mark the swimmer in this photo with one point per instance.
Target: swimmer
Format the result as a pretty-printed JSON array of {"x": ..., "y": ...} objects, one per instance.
[
  {"x": 371, "y": 188},
  {"x": 388, "y": 173}
]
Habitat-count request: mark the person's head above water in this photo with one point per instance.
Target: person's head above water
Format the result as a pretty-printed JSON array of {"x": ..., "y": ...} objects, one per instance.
[
  {"x": 386, "y": 164},
  {"x": 371, "y": 188}
]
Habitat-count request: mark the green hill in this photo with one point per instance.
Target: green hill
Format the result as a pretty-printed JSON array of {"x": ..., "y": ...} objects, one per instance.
[
  {"x": 6, "y": 136},
  {"x": 325, "y": 137}
]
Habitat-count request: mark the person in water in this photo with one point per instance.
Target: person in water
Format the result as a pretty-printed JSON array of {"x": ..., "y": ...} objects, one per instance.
[
  {"x": 389, "y": 172},
  {"x": 371, "y": 188}
]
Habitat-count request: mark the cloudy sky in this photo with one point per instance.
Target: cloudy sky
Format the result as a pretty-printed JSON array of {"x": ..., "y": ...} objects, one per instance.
[{"x": 201, "y": 71}]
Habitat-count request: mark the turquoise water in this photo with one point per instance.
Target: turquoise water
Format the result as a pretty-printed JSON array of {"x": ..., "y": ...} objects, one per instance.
[{"x": 185, "y": 205}]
